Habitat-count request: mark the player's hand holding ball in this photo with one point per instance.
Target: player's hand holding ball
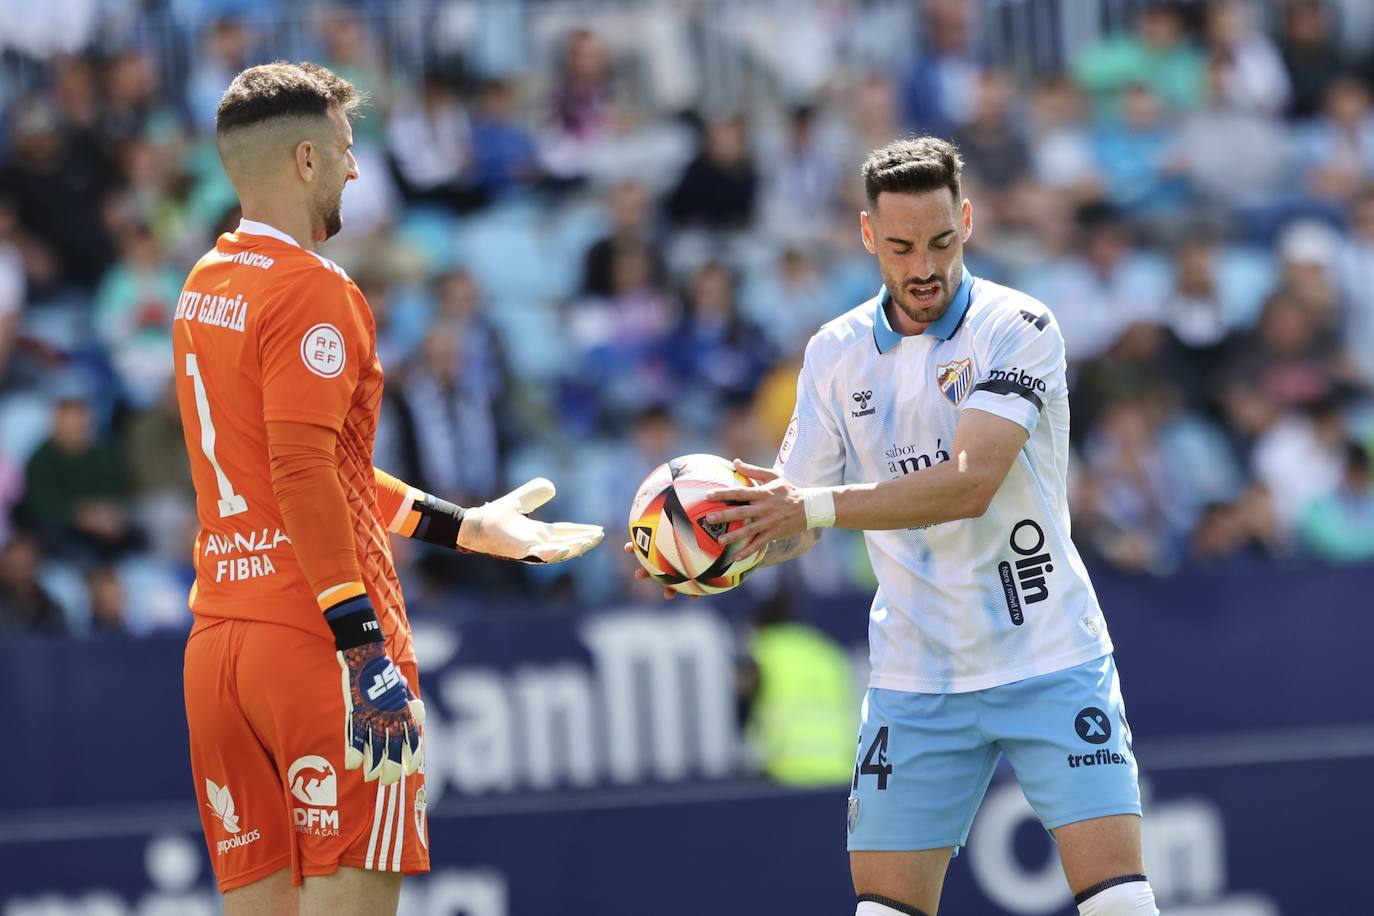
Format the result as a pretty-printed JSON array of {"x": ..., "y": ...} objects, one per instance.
[
  {"x": 672, "y": 537},
  {"x": 759, "y": 515}
]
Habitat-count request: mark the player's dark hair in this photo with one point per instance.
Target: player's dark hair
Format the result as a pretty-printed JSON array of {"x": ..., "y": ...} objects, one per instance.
[
  {"x": 282, "y": 89},
  {"x": 913, "y": 165}
]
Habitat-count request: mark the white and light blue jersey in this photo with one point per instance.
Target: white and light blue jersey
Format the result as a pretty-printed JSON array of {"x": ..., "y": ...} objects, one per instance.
[{"x": 973, "y": 603}]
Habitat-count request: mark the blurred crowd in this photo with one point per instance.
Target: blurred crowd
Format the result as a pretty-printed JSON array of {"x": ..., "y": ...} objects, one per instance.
[{"x": 582, "y": 261}]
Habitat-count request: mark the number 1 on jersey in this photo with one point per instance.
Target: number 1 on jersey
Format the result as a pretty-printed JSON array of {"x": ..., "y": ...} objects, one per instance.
[{"x": 230, "y": 503}]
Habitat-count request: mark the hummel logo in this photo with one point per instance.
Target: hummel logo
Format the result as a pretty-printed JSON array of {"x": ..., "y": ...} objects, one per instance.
[{"x": 862, "y": 398}]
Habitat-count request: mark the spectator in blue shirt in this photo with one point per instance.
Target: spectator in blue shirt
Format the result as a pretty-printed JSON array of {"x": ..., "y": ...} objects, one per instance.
[
  {"x": 1336, "y": 151},
  {"x": 1137, "y": 157},
  {"x": 503, "y": 150}
]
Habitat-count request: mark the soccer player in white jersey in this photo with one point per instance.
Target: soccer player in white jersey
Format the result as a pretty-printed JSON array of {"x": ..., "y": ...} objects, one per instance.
[{"x": 934, "y": 417}]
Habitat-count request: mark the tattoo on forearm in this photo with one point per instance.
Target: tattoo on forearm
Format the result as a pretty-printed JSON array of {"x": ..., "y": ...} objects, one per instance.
[
  {"x": 785, "y": 546},
  {"x": 784, "y": 549}
]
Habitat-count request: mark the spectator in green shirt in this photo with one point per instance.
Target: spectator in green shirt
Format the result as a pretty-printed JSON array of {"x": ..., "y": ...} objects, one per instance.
[
  {"x": 1339, "y": 527},
  {"x": 134, "y": 305},
  {"x": 1159, "y": 55},
  {"x": 75, "y": 489}
]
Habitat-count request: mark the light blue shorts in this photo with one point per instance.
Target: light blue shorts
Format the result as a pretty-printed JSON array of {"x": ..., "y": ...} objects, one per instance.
[{"x": 925, "y": 759}]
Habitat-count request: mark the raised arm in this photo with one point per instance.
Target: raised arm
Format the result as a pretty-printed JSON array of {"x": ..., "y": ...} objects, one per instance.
[
  {"x": 785, "y": 515},
  {"x": 984, "y": 448},
  {"x": 498, "y": 528}
]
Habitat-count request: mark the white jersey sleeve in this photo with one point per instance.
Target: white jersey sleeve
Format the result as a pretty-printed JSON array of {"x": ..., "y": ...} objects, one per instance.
[
  {"x": 813, "y": 449},
  {"x": 1023, "y": 369}
]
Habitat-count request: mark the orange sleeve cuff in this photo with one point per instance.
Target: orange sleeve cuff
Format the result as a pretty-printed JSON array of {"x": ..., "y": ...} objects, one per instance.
[
  {"x": 337, "y": 594},
  {"x": 397, "y": 499}
]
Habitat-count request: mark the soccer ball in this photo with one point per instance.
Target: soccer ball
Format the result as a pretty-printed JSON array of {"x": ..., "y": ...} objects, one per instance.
[{"x": 671, "y": 537}]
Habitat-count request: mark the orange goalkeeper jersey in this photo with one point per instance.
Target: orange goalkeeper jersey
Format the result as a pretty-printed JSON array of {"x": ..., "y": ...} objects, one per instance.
[{"x": 268, "y": 331}]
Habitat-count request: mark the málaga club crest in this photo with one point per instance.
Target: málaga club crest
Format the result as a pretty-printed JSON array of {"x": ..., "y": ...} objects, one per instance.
[{"x": 955, "y": 379}]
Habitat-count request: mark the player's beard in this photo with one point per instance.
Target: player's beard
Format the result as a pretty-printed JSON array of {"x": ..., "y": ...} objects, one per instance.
[
  {"x": 899, "y": 290},
  {"x": 333, "y": 219},
  {"x": 329, "y": 215}
]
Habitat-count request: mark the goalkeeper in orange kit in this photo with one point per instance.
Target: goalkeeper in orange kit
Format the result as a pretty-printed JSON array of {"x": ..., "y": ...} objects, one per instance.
[{"x": 300, "y": 658}]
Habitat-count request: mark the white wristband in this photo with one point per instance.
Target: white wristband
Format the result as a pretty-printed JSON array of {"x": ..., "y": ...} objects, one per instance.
[{"x": 819, "y": 505}]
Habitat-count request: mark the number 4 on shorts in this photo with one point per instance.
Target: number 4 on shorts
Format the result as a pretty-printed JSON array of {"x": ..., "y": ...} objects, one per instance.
[{"x": 879, "y": 767}]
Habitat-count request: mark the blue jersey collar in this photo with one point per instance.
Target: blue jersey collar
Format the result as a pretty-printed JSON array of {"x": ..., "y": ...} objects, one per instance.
[{"x": 886, "y": 338}]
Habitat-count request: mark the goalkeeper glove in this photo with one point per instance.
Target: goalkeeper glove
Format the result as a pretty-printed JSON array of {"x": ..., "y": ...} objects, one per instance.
[
  {"x": 500, "y": 528},
  {"x": 382, "y": 718}
]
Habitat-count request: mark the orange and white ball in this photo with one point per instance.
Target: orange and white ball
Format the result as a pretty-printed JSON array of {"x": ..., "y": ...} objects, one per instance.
[{"x": 671, "y": 537}]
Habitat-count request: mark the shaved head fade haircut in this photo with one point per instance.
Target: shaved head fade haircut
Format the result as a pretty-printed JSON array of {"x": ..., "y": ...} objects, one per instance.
[
  {"x": 913, "y": 165},
  {"x": 282, "y": 90}
]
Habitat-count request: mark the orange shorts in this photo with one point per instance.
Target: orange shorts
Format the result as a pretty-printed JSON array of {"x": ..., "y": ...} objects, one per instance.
[{"x": 265, "y": 711}]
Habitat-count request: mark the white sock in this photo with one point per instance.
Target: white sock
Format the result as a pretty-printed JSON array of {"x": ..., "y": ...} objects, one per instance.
[
  {"x": 873, "y": 908},
  {"x": 1132, "y": 898},
  {"x": 869, "y": 908}
]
